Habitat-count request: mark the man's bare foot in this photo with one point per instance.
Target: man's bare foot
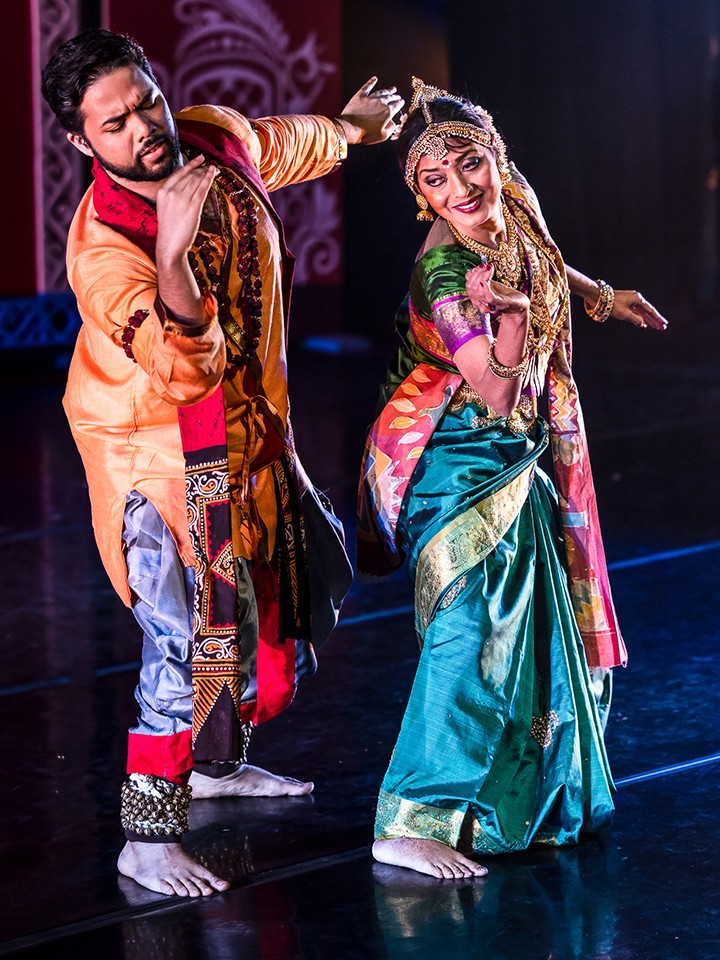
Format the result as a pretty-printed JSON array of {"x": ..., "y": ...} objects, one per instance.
[
  {"x": 426, "y": 856},
  {"x": 247, "y": 781},
  {"x": 166, "y": 868}
]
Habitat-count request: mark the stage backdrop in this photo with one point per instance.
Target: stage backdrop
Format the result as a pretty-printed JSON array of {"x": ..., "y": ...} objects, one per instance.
[{"x": 611, "y": 110}]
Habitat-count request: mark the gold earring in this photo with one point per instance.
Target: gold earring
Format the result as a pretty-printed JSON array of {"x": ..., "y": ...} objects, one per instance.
[
  {"x": 505, "y": 175},
  {"x": 423, "y": 213}
]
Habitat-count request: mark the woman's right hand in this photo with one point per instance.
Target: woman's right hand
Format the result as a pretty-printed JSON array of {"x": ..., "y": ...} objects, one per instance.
[
  {"x": 512, "y": 311},
  {"x": 492, "y": 297}
]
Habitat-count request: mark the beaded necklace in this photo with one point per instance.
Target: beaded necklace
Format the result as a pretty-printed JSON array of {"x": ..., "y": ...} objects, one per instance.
[
  {"x": 543, "y": 328},
  {"x": 212, "y": 274}
]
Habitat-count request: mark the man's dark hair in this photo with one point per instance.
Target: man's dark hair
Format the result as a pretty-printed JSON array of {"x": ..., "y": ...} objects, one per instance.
[{"x": 78, "y": 63}]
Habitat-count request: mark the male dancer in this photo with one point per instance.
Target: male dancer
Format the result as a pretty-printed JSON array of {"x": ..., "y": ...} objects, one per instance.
[{"x": 177, "y": 399}]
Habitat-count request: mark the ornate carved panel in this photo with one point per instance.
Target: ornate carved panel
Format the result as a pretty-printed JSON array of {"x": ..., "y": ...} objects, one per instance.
[
  {"x": 240, "y": 53},
  {"x": 58, "y": 169},
  {"x": 48, "y": 320}
]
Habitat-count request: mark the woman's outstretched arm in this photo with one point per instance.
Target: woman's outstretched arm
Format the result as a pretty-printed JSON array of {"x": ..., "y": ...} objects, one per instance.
[{"x": 628, "y": 305}]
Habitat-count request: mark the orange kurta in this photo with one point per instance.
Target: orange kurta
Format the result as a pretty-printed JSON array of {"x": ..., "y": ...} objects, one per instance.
[{"x": 122, "y": 414}]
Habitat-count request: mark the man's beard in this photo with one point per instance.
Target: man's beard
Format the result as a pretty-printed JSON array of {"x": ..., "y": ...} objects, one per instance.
[{"x": 138, "y": 172}]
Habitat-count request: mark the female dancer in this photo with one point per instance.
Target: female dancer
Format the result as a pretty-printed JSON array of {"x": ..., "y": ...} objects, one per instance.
[{"x": 502, "y": 740}]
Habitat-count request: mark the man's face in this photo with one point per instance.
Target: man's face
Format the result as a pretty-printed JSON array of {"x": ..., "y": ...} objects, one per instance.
[{"x": 128, "y": 127}]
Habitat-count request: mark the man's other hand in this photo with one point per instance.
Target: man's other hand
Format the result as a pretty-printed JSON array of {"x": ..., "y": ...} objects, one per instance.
[{"x": 179, "y": 206}]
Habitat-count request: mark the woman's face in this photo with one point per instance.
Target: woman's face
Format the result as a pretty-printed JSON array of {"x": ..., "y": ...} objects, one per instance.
[{"x": 464, "y": 188}]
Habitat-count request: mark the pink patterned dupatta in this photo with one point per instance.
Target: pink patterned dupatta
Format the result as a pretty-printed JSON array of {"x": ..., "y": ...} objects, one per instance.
[
  {"x": 395, "y": 443},
  {"x": 587, "y": 569}
]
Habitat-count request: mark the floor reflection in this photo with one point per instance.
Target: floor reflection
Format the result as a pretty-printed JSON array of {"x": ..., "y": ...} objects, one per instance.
[{"x": 557, "y": 905}]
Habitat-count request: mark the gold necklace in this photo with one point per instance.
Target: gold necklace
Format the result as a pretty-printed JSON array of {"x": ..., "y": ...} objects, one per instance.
[
  {"x": 508, "y": 261},
  {"x": 505, "y": 259},
  {"x": 544, "y": 327}
]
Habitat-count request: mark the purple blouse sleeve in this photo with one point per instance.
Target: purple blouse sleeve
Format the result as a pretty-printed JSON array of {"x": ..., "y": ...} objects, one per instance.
[{"x": 458, "y": 321}]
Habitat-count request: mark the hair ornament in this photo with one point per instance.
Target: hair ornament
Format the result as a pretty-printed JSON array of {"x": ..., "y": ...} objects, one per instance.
[{"x": 431, "y": 141}]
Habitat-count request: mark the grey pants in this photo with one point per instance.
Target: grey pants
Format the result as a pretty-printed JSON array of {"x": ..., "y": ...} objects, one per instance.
[{"x": 162, "y": 605}]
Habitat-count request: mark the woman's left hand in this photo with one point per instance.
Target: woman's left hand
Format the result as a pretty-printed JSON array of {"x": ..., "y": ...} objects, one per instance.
[{"x": 632, "y": 307}]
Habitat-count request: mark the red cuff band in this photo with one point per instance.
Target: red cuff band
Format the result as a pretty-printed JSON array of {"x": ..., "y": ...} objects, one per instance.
[{"x": 167, "y": 757}]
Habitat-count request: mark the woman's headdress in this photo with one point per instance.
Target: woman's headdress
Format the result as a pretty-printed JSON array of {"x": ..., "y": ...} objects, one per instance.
[{"x": 431, "y": 141}]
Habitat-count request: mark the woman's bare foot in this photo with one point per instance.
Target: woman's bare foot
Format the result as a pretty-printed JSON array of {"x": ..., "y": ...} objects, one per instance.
[
  {"x": 426, "y": 856},
  {"x": 166, "y": 868},
  {"x": 247, "y": 781}
]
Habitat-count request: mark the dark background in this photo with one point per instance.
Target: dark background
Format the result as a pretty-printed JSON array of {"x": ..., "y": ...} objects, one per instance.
[{"x": 610, "y": 110}]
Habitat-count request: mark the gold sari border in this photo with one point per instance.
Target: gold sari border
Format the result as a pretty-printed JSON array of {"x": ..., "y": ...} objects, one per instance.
[
  {"x": 397, "y": 817},
  {"x": 453, "y": 826},
  {"x": 464, "y": 543}
]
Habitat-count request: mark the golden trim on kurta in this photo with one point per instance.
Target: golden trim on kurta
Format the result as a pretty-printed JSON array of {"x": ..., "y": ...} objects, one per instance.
[{"x": 464, "y": 543}]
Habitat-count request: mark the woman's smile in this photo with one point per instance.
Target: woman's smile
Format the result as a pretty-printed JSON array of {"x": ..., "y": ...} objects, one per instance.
[{"x": 470, "y": 205}]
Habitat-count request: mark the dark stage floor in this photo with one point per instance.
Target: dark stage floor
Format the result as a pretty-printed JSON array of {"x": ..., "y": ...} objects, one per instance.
[{"x": 304, "y": 883}]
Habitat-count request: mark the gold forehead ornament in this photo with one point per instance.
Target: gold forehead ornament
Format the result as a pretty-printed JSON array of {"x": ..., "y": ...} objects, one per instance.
[{"x": 431, "y": 141}]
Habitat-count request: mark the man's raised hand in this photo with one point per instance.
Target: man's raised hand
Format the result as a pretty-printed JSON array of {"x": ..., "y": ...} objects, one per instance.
[
  {"x": 179, "y": 207},
  {"x": 369, "y": 117}
]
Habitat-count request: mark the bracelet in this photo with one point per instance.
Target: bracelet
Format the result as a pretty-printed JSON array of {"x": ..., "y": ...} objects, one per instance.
[
  {"x": 603, "y": 308},
  {"x": 342, "y": 140},
  {"x": 185, "y": 330},
  {"x": 129, "y": 331},
  {"x": 500, "y": 370},
  {"x": 181, "y": 326}
]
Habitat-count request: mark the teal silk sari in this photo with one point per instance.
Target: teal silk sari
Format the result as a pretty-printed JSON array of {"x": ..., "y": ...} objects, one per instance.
[{"x": 501, "y": 744}]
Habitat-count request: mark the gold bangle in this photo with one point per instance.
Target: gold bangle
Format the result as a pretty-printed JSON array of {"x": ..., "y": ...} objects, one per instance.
[
  {"x": 605, "y": 301},
  {"x": 502, "y": 371},
  {"x": 342, "y": 151}
]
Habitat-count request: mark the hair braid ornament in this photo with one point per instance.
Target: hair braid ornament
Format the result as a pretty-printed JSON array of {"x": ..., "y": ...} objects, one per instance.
[{"x": 431, "y": 141}]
